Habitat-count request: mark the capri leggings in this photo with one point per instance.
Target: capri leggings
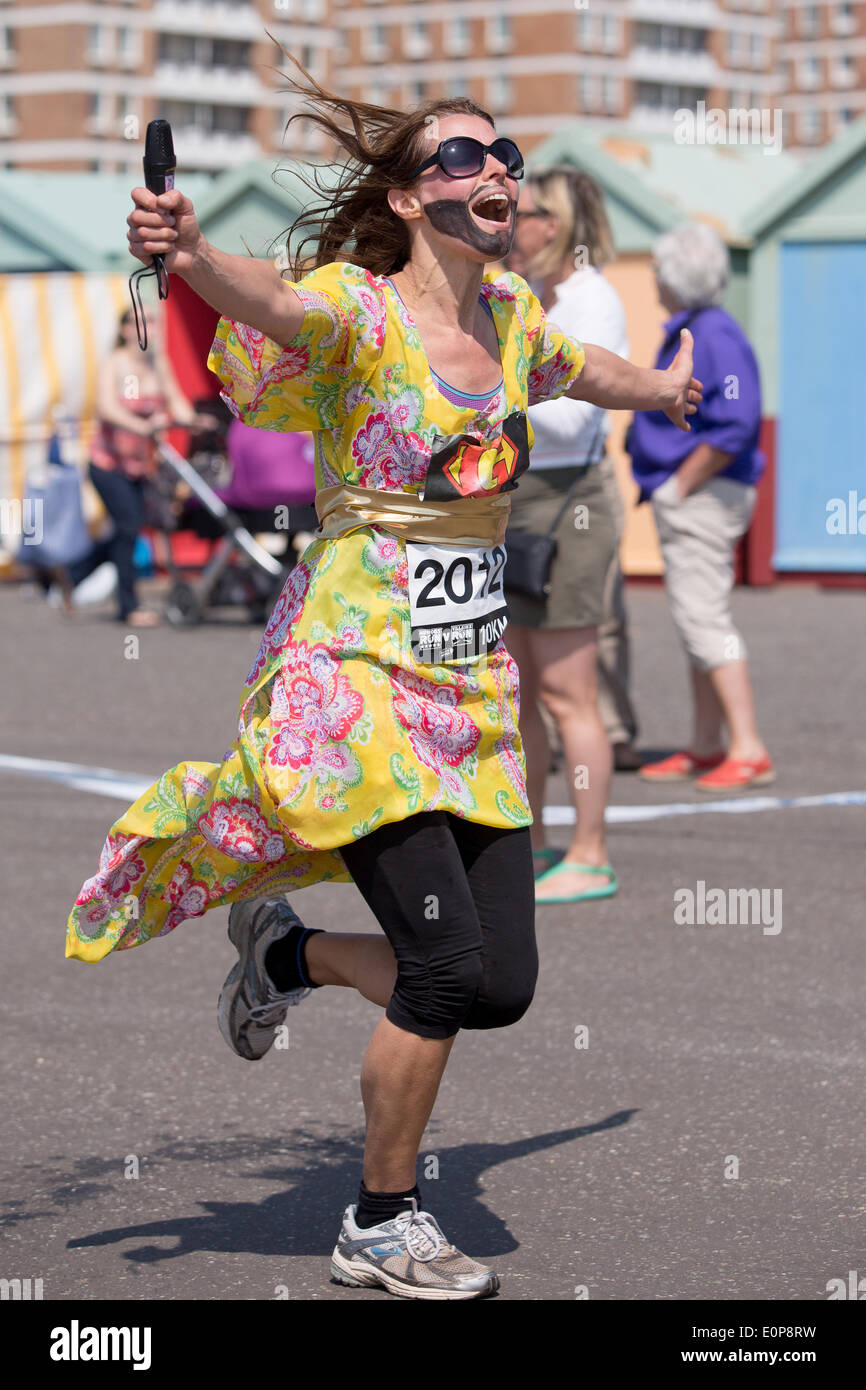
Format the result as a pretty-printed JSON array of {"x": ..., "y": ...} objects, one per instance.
[{"x": 456, "y": 900}]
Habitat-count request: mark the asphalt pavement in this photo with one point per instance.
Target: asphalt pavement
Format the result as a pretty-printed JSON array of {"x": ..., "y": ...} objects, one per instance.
[{"x": 705, "y": 1142}]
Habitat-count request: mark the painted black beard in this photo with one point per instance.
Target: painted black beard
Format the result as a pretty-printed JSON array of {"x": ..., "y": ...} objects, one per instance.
[{"x": 451, "y": 217}]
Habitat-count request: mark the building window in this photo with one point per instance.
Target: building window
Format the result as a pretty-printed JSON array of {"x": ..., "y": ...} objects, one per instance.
[
  {"x": 458, "y": 35},
  {"x": 610, "y": 94},
  {"x": 7, "y": 114},
  {"x": 662, "y": 97},
  {"x": 587, "y": 91},
  {"x": 586, "y": 29},
  {"x": 176, "y": 48},
  {"x": 417, "y": 91},
  {"x": 230, "y": 54},
  {"x": 674, "y": 38},
  {"x": 375, "y": 41},
  {"x": 809, "y": 126},
  {"x": 734, "y": 47},
  {"x": 458, "y": 86},
  {"x": 98, "y": 46},
  {"x": 610, "y": 33},
  {"x": 499, "y": 97},
  {"x": 416, "y": 42},
  {"x": 842, "y": 19},
  {"x": 809, "y": 20},
  {"x": 499, "y": 33},
  {"x": 207, "y": 118}
]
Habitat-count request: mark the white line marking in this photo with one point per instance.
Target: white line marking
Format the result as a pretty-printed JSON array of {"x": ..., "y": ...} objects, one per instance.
[
  {"x": 101, "y": 781},
  {"x": 129, "y": 786},
  {"x": 733, "y": 806}
]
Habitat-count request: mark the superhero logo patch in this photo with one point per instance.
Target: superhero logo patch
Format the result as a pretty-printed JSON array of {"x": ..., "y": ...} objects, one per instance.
[{"x": 463, "y": 466}]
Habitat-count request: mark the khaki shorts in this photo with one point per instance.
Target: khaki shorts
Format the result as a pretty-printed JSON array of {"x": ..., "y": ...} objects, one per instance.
[
  {"x": 586, "y": 543},
  {"x": 698, "y": 536}
]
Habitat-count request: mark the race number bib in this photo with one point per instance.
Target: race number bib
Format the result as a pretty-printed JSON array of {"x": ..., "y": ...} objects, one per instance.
[{"x": 456, "y": 601}]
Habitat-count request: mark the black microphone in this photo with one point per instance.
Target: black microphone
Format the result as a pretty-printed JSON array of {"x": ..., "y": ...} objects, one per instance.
[{"x": 159, "y": 169}]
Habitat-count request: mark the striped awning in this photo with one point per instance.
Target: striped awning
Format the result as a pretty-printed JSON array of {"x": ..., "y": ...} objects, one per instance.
[{"x": 55, "y": 330}]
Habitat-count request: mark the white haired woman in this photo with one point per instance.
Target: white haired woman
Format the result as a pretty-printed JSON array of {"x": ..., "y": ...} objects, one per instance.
[
  {"x": 562, "y": 240},
  {"x": 703, "y": 488}
]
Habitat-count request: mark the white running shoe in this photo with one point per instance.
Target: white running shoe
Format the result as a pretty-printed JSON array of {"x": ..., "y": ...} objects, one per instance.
[{"x": 408, "y": 1256}]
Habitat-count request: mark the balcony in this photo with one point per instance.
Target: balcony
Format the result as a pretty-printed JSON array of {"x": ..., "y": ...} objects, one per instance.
[
  {"x": 208, "y": 149},
  {"x": 701, "y": 14},
  {"x": 200, "y": 82},
  {"x": 672, "y": 65},
  {"x": 234, "y": 19}
]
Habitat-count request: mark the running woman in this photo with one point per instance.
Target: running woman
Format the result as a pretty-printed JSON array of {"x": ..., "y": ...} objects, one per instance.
[{"x": 377, "y": 733}]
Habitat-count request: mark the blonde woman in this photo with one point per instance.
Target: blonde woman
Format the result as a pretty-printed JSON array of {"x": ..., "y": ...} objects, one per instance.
[{"x": 562, "y": 241}]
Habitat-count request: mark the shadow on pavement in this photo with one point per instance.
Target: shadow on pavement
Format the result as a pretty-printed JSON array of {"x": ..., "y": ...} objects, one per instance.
[{"x": 304, "y": 1219}]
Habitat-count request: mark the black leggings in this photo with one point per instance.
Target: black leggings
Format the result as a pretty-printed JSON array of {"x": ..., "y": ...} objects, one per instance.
[{"x": 456, "y": 900}]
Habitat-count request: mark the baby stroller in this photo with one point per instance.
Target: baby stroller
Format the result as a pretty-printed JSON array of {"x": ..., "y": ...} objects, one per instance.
[{"x": 271, "y": 488}]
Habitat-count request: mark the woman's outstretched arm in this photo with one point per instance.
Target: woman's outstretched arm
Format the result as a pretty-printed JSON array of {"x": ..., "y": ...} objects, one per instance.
[
  {"x": 239, "y": 287},
  {"x": 612, "y": 382}
]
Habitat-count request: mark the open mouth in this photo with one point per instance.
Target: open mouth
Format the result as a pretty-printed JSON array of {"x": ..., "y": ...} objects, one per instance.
[{"x": 493, "y": 209}]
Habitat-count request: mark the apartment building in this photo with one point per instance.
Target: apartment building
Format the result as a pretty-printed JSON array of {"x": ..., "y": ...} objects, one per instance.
[
  {"x": 539, "y": 64},
  {"x": 79, "y": 81}
]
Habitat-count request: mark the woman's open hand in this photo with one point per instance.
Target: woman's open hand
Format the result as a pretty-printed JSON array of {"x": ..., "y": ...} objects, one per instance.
[
  {"x": 683, "y": 392},
  {"x": 164, "y": 225}
]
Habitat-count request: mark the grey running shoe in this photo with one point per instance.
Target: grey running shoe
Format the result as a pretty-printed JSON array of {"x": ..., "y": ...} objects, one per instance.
[
  {"x": 250, "y": 1009},
  {"x": 408, "y": 1256}
]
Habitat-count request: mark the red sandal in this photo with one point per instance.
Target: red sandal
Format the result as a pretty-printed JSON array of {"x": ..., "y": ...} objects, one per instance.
[
  {"x": 679, "y": 767},
  {"x": 734, "y": 774}
]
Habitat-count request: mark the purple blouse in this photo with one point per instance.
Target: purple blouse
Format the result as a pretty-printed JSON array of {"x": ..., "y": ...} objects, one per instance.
[{"x": 728, "y": 418}]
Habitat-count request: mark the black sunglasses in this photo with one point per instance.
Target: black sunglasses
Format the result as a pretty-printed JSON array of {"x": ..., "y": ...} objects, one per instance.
[{"x": 463, "y": 156}]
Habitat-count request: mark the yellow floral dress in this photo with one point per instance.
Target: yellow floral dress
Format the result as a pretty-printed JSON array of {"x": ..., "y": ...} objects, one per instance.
[{"x": 341, "y": 728}]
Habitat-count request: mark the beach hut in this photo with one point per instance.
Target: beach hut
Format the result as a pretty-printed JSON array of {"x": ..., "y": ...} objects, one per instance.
[{"x": 807, "y": 298}]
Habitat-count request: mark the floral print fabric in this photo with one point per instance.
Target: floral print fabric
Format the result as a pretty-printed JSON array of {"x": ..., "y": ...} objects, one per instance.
[{"x": 339, "y": 728}]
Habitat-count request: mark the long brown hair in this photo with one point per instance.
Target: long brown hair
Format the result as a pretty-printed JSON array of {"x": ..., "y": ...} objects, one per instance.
[{"x": 354, "y": 221}]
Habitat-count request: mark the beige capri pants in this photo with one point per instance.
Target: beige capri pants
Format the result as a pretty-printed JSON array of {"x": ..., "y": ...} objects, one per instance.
[{"x": 698, "y": 536}]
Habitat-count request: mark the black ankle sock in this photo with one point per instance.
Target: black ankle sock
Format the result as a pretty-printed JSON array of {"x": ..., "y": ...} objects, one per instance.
[
  {"x": 285, "y": 961},
  {"x": 376, "y": 1207}
]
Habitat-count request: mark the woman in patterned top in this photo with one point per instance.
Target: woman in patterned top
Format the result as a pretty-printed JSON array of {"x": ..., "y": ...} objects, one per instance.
[{"x": 377, "y": 737}]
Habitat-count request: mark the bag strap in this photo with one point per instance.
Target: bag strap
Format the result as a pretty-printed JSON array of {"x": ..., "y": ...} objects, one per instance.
[{"x": 571, "y": 491}]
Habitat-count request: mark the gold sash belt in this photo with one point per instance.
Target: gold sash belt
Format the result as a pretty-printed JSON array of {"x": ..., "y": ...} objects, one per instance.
[{"x": 463, "y": 521}]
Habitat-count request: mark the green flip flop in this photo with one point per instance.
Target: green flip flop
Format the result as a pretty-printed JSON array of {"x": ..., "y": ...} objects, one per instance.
[
  {"x": 551, "y": 855},
  {"x": 607, "y": 891}
]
